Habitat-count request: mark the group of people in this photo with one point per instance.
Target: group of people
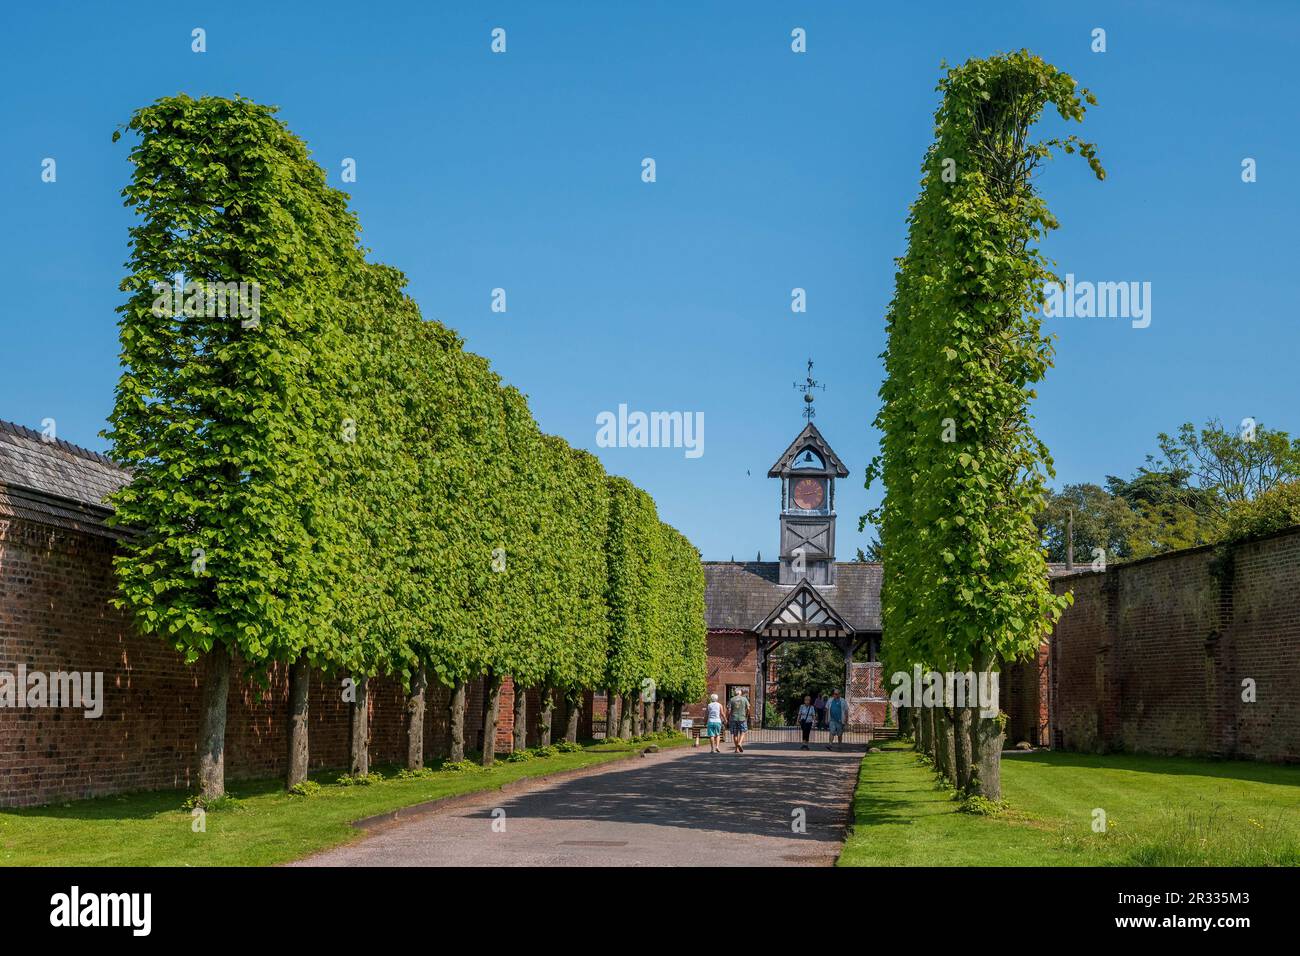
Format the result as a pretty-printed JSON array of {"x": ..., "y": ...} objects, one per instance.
[
  {"x": 824, "y": 713},
  {"x": 738, "y": 713}
]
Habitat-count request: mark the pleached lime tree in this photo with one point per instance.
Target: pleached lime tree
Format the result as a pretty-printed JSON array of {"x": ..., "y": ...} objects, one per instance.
[
  {"x": 684, "y": 674},
  {"x": 217, "y": 412},
  {"x": 323, "y": 481},
  {"x": 630, "y": 551},
  {"x": 965, "y": 582}
]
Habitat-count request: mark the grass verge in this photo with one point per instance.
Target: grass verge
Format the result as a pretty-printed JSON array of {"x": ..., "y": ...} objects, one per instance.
[
  {"x": 258, "y": 823},
  {"x": 1159, "y": 811}
]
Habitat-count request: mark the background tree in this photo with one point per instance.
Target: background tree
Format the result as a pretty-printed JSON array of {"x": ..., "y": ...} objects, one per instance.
[{"x": 807, "y": 668}]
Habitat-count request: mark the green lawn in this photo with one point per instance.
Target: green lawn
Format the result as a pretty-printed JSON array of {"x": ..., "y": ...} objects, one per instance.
[
  {"x": 1160, "y": 811},
  {"x": 264, "y": 826}
]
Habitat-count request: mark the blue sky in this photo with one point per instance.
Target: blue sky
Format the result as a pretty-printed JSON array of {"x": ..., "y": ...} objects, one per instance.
[{"x": 775, "y": 170}]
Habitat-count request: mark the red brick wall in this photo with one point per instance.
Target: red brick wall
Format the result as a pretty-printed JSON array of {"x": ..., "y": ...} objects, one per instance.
[
  {"x": 559, "y": 718},
  {"x": 733, "y": 659},
  {"x": 1152, "y": 655},
  {"x": 55, "y": 587}
]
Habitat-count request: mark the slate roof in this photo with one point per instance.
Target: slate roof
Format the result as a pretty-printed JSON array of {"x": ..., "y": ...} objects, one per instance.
[
  {"x": 739, "y": 595},
  {"x": 55, "y": 483}
]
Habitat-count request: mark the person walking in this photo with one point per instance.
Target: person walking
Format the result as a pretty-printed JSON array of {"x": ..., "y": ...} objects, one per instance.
[
  {"x": 739, "y": 706},
  {"x": 807, "y": 717},
  {"x": 819, "y": 707},
  {"x": 713, "y": 724},
  {"x": 837, "y": 710}
]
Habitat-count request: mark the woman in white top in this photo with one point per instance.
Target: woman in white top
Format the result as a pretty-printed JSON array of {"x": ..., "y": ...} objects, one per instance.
[{"x": 713, "y": 728}]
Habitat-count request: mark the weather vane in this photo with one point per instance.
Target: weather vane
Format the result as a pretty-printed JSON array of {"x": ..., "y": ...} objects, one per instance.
[{"x": 808, "y": 388}]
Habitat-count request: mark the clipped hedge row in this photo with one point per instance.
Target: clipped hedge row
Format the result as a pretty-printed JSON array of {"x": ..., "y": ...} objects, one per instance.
[{"x": 334, "y": 482}]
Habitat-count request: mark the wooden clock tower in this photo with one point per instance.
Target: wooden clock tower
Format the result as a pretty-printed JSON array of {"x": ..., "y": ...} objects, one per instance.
[{"x": 808, "y": 470}]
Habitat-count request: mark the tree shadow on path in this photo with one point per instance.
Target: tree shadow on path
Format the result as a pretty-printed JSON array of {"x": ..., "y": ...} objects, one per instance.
[{"x": 754, "y": 793}]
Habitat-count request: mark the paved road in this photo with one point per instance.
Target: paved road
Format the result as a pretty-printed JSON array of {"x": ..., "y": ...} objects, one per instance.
[{"x": 681, "y": 807}]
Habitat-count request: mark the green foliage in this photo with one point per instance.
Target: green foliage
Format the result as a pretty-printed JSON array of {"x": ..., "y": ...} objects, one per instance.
[
  {"x": 1272, "y": 510},
  {"x": 1235, "y": 466},
  {"x": 982, "y": 806},
  {"x": 631, "y": 549},
  {"x": 305, "y": 788},
  {"x": 964, "y": 476},
  {"x": 223, "y": 803},
  {"x": 462, "y": 766},
  {"x": 340, "y": 478},
  {"x": 361, "y": 779},
  {"x": 222, "y": 422},
  {"x": 806, "y": 668},
  {"x": 1205, "y": 487},
  {"x": 568, "y": 747}
]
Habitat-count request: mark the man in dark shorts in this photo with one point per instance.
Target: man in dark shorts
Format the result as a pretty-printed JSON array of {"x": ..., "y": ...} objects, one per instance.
[{"x": 739, "y": 709}]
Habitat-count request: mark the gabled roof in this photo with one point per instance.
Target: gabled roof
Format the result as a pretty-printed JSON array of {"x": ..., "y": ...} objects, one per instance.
[
  {"x": 739, "y": 595},
  {"x": 810, "y": 437},
  {"x": 804, "y": 609},
  {"x": 55, "y": 482}
]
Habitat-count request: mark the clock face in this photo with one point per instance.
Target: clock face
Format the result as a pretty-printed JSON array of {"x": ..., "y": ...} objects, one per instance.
[{"x": 808, "y": 494}]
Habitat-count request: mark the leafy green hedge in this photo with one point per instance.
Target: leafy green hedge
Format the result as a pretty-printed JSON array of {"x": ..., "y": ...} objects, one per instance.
[{"x": 339, "y": 480}]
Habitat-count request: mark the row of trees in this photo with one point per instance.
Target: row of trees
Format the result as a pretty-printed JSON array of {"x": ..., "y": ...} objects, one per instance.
[
  {"x": 1205, "y": 486},
  {"x": 323, "y": 480},
  {"x": 965, "y": 583}
]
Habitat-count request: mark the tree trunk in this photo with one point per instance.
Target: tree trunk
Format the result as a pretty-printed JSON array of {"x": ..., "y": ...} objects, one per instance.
[
  {"x": 415, "y": 720},
  {"x": 545, "y": 714},
  {"x": 677, "y": 715},
  {"x": 212, "y": 730},
  {"x": 638, "y": 715},
  {"x": 299, "y": 751},
  {"x": 575, "y": 715},
  {"x": 521, "y": 719},
  {"x": 491, "y": 713},
  {"x": 660, "y": 707},
  {"x": 947, "y": 764},
  {"x": 625, "y": 716},
  {"x": 929, "y": 734},
  {"x": 986, "y": 744},
  {"x": 961, "y": 735},
  {"x": 359, "y": 727},
  {"x": 456, "y": 720},
  {"x": 612, "y": 716}
]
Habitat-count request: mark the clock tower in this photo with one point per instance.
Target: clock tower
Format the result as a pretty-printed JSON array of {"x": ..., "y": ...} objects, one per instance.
[{"x": 808, "y": 470}]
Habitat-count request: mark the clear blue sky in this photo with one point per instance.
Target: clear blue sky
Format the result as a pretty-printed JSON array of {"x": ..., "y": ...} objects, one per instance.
[{"x": 775, "y": 170}]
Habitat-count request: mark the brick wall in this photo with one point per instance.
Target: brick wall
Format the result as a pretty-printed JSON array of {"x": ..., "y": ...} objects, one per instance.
[
  {"x": 55, "y": 615},
  {"x": 1153, "y": 654},
  {"x": 733, "y": 659}
]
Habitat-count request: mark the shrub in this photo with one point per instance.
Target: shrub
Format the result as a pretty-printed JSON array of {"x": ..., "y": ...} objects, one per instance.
[
  {"x": 361, "y": 780},
  {"x": 461, "y": 766},
  {"x": 982, "y": 806},
  {"x": 306, "y": 788},
  {"x": 408, "y": 774}
]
